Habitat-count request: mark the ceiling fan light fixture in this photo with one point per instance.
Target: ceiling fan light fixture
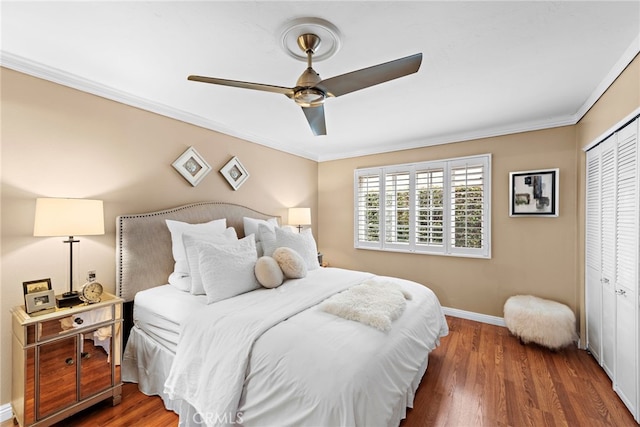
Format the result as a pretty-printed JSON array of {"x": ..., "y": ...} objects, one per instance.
[
  {"x": 310, "y": 90},
  {"x": 309, "y": 97}
]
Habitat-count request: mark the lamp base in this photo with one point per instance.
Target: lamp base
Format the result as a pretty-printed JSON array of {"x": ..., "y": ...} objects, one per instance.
[{"x": 68, "y": 299}]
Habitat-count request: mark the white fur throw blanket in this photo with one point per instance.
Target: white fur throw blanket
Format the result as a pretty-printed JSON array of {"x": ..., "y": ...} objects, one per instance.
[{"x": 374, "y": 302}]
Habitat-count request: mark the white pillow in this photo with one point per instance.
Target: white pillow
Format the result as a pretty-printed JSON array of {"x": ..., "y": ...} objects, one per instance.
[
  {"x": 268, "y": 272},
  {"x": 303, "y": 243},
  {"x": 228, "y": 270},
  {"x": 177, "y": 228},
  {"x": 251, "y": 225},
  {"x": 290, "y": 262},
  {"x": 192, "y": 250}
]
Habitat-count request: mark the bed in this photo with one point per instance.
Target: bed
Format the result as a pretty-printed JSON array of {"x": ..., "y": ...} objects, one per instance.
[{"x": 269, "y": 356}]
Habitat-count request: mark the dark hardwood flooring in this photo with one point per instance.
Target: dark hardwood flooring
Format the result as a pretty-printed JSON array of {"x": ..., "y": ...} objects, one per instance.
[{"x": 479, "y": 376}]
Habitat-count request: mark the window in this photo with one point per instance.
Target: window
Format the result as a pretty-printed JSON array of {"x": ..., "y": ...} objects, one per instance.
[{"x": 439, "y": 207}]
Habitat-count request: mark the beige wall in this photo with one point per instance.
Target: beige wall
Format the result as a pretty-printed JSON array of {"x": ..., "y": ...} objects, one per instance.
[
  {"x": 529, "y": 255},
  {"x": 621, "y": 99},
  {"x": 59, "y": 142}
]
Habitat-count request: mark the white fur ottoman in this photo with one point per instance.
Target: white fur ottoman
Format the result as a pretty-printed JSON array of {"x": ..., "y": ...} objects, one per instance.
[{"x": 542, "y": 321}]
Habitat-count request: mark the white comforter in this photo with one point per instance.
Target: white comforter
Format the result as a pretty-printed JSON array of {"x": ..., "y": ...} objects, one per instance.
[{"x": 272, "y": 357}]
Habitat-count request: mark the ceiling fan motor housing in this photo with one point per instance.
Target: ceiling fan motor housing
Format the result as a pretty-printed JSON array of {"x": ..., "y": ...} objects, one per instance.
[
  {"x": 308, "y": 95},
  {"x": 309, "y": 42}
]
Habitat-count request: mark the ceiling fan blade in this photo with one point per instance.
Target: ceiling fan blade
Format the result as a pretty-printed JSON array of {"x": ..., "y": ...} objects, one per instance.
[
  {"x": 356, "y": 80},
  {"x": 315, "y": 117},
  {"x": 245, "y": 85}
]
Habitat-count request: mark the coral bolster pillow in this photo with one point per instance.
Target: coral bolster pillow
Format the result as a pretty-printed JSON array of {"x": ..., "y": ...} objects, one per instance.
[{"x": 268, "y": 272}]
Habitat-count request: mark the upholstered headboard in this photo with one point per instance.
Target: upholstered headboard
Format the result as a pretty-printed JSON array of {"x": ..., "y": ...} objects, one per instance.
[{"x": 143, "y": 241}]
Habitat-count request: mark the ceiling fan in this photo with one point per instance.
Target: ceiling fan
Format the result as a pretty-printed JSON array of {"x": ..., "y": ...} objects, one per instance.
[{"x": 311, "y": 91}]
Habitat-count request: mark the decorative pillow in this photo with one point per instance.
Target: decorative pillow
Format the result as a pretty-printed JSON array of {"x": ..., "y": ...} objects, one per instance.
[
  {"x": 192, "y": 250},
  {"x": 177, "y": 228},
  {"x": 259, "y": 249},
  {"x": 268, "y": 272},
  {"x": 303, "y": 243},
  {"x": 290, "y": 262},
  {"x": 251, "y": 225},
  {"x": 228, "y": 270}
]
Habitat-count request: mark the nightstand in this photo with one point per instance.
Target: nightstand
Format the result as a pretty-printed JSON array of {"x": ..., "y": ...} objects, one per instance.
[{"x": 65, "y": 361}]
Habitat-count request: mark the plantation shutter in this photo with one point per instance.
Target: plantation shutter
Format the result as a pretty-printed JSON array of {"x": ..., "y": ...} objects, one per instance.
[
  {"x": 430, "y": 208},
  {"x": 367, "y": 206},
  {"x": 467, "y": 212},
  {"x": 439, "y": 207},
  {"x": 397, "y": 208}
]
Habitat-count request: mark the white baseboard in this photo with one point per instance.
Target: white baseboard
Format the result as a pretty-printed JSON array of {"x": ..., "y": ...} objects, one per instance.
[
  {"x": 470, "y": 315},
  {"x": 5, "y": 412},
  {"x": 485, "y": 318}
]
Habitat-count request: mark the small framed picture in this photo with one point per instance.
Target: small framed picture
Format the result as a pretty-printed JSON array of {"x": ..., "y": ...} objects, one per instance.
[
  {"x": 534, "y": 193},
  {"x": 234, "y": 173},
  {"x": 34, "y": 286},
  {"x": 192, "y": 166},
  {"x": 37, "y": 301}
]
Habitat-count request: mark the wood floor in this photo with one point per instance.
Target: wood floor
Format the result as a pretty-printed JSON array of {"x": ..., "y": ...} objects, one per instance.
[{"x": 479, "y": 376}]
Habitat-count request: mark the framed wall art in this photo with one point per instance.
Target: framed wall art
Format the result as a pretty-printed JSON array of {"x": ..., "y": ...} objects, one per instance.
[
  {"x": 192, "y": 166},
  {"x": 234, "y": 173},
  {"x": 534, "y": 193}
]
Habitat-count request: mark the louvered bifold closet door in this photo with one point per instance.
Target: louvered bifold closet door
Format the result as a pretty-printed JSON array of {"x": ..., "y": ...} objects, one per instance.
[
  {"x": 608, "y": 230},
  {"x": 593, "y": 254},
  {"x": 626, "y": 267}
]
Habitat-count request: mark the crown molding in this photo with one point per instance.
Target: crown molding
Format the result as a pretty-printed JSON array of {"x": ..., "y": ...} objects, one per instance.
[
  {"x": 55, "y": 75},
  {"x": 61, "y": 77},
  {"x": 457, "y": 137},
  {"x": 629, "y": 54}
]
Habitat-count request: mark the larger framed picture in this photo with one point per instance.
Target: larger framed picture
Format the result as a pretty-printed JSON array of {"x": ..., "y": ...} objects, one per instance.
[{"x": 534, "y": 193}]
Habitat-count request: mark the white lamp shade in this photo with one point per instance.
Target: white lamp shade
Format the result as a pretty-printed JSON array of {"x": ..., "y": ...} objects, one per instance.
[
  {"x": 68, "y": 217},
  {"x": 299, "y": 216}
]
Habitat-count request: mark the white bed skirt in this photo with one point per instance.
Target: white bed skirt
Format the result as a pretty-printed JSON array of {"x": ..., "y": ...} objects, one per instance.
[{"x": 148, "y": 364}]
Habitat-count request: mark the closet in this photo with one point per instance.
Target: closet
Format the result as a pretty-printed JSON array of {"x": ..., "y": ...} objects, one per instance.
[{"x": 612, "y": 260}]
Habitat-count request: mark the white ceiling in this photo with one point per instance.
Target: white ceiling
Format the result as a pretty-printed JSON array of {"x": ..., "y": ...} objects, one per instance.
[{"x": 488, "y": 68}]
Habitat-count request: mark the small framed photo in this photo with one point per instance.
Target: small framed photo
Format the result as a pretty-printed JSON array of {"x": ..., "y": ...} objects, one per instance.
[
  {"x": 192, "y": 166},
  {"x": 534, "y": 193},
  {"x": 37, "y": 301},
  {"x": 234, "y": 173},
  {"x": 34, "y": 286}
]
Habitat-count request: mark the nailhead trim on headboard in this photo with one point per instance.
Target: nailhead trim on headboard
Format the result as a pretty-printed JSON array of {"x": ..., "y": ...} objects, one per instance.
[{"x": 143, "y": 241}]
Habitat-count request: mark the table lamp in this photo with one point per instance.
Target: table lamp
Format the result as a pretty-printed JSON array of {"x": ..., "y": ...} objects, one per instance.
[
  {"x": 299, "y": 217},
  {"x": 68, "y": 217}
]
